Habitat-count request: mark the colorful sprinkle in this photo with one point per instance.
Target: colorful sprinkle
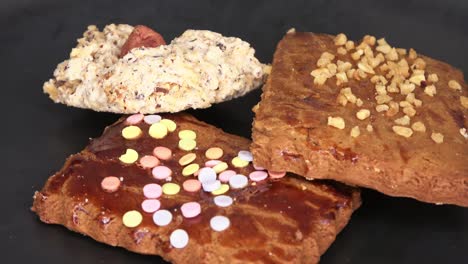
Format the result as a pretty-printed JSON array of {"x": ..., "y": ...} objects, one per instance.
[
  {"x": 169, "y": 124},
  {"x": 134, "y": 119},
  {"x": 187, "y": 159},
  {"x": 214, "y": 153},
  {"x": 277, "y": 174},
  {"x": 187, "y": 134},
  {"x": 150, "y": 205},
  {"x": 129, "y": 157},
  {"x": 225, "y": 175},
  {"x": 162, "y": 217},
  {"x": 220, "y": 167},
  {"x": 211, "y": 185},
  {"x": 245, "y": 155},
  {"x": 187, "y": 144},
  {"x": 221, "y": 190},
  {"x": 170, "y": 188},
  {"x": 190, "y": 209},
  {"x": 152, "y": 119},
  {"x": 206, "y": 175},
  {"x": 258, "y": 176},
  {"x": 161, "y": 172},
  {"x": 157, "y": 130},
  {"x": 152, "y": 190},
  {"x": 219, "y": 223},
  {"x": 191, "y": 185},
  {"x": 132, "y": 218},
  {"x": 110, "y": 184},
  {"x": 179, "y": 238},
  {"x": 223, "y": 200},
  {"x": 239, "y": 163},
  {"x": 238, "y": 181},
  {"x": 131, "y": 132},
  {"x": 190, "y": 169},
  {"x": 162, "y": 153},
  {"x": 149, "y": 162},
  {"x": 212, "y": 163}
]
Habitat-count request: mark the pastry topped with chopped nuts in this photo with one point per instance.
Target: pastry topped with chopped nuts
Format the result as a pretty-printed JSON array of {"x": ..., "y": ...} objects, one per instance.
[
  {"x": 366, "y": 113},
  {"x": 109, "y": 72}
]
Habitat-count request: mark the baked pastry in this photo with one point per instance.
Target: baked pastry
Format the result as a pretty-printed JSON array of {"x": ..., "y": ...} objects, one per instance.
[
  {"x": 365, "y": 114},
  {"x": 195, "y": 70},
  {"x": 111, "y": 189}
]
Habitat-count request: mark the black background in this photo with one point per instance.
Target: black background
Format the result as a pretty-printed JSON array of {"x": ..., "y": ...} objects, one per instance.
[{"x": 38, "y": 135}]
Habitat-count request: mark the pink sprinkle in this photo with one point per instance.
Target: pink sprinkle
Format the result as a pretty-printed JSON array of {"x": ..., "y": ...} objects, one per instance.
[
  {"x": 191, "y": 185},
  {"x": 161, "y": 172},
  {"x": 135, "y": 119},
  {"x": 149, "y": 162},
  {"x": 258, "y": 175},
  {"x": 162, "y": 153},
  {"x": 190, "y": 209},
  {"x": 258, "y": 167},
  {"x": 150, "y": 205},
  {"x": 277, "y": 174},
  {"x": 152, "y": 190},
  {"x": 225, "y": 175},
  {"x": 212, "y": 163}
]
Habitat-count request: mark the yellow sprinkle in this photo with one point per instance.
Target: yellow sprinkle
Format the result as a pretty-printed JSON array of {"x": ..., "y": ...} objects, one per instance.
[
  {"x": 187, "y": 159},
  {"x": 170, "y": 188},
  {"x": 187, "y": 134},
  {"x": 171, "y": 125},
  {"x": 239, "y": 163},
  {"x": 222, "y": 189},
  {"x": 129, "y": 157},
  {"x": 131, "y": 132},
  {"x": 187, "y": 144},
  {"x": 190, "y": 169},
  {"x": 214, "y": 153},
  {"x": 132, "y": 218},
  {"x": 220, "y": 167},
  {"x": 158, "y": 130}
]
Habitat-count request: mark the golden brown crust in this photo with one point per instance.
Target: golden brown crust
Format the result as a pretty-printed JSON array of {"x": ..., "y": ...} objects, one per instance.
[
  {"x": 290, "y": 220},
  {"x": 291, "y": 133}
]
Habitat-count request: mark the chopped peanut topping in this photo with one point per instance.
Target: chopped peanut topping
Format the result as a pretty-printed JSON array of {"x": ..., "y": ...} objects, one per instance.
[
  {"x": 412, "y": 54},
  {"x": 403, "y": 131},
  {"x": 380, "y": 89},
  {"x": 433, "y": 78},
  {"x": 383, "y": 98},
  {"x": 363, "y": 114},
  {"x": 418, "y": 126},
  {"x": 418, "y": 64},
  {"x": 417, "y": 77},
  {"x": 406, "y": 88},
  {"x": 355, "y": 132},
  {"x": 430, "y": 90},
  {"x": 369, "y": 128},
  {"x": 349, "y": 45},
  {"x": 340, "y": 39},
  {"x": 359, "y": 102},
  {"x": 369, "y": 40},
  {"x": 341, "y": 51},
  {"x": 357, "y": 55},
  {"x": 366, "y": 68},
  {"x": 409, "y": 110},
  {"x": 404, "y": 121},
  {"x": 437, "y": 137},
  {"x": 454, "y": 85},
  {"x": 348, "y": 94},
  {"x": 464, "y": 101},
  {"x": 392, "y": 55},
  {"x": 343, "y": 66},
  {"x": 341, "y": 78},
  {"x": 401, "y": 52},
  {"x": 337, "y": 122},
  {"x": 464, "y": 132},
  {"x": 393, "y": 108},
  {"x": 381, "y": 108}
]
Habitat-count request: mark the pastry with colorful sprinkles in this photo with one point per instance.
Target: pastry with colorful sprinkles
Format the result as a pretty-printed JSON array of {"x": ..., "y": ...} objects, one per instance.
[{"x": 188, "y": 192}]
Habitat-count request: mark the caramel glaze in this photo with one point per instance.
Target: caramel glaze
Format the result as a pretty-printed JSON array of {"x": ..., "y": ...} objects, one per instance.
[{"x": 292, "y": 208}]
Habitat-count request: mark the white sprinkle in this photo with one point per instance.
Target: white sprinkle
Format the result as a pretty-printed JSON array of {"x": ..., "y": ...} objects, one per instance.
[
  {"x": 179, "y": 238},
  {"x": 219, "y": 223},
  {"x": 162, "y": 217},
  {"x": 238, "y": 181},
  {"x": 245, "y": 155},
  {"x": 206, "y": 175},
  {"x": 223, "y": 200},
  {"x": 151, "y": 119},
  {"x": 210, "y": 186}
]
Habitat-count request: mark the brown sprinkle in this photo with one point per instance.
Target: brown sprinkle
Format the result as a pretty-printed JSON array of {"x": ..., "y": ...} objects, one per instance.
[
  {"x": 337, "y": 122},
  {"x": 363, "y": 114},
  {"x": 403, "y": 131},
  {"x": 418, "y": 126},
  {"x": 454, "y": 85},
  {"x": 355, "y": 132},
  {"x": 437, "y": 137}
]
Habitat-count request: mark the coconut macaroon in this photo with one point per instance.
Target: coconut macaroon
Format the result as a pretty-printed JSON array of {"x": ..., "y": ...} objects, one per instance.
[{"x": 195, "y": 70}]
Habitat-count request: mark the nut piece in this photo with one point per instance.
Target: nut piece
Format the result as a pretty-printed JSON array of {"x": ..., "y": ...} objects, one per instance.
[
  {"x": 437, "y": 137},
  {"x": 341, "y": 51},
  {"x": 337, "y": 122},
  {"x": 355, "y": 132},
  {"x": 464, "y": 132},
  {"x": 430, "y": 90},
  {"x": 349, "y": 45},
  {"x": 369, "y": 128},
  {"x": 381, "y": 108},
  {"x": 359, "y": 102},
  {"x": 464, "y": 101},
  {"x": 454, "y": 85},
  {"x": 409, "y": 110},
  {"x": 404, "y": 121},
  {"x": 394, "y": 108},
  {"x": 418, "y": 126},
  {"x": 412, "y": 54},
  {"x": 403, "y": 131},
  {"x": 433, "y": 78},
  {"x": 363, "y": 114},
  {"x": 340, "y": 39}
]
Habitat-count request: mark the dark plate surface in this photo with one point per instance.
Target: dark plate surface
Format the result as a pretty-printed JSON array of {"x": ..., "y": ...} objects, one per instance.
[{"x": 38, "y": 135}]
